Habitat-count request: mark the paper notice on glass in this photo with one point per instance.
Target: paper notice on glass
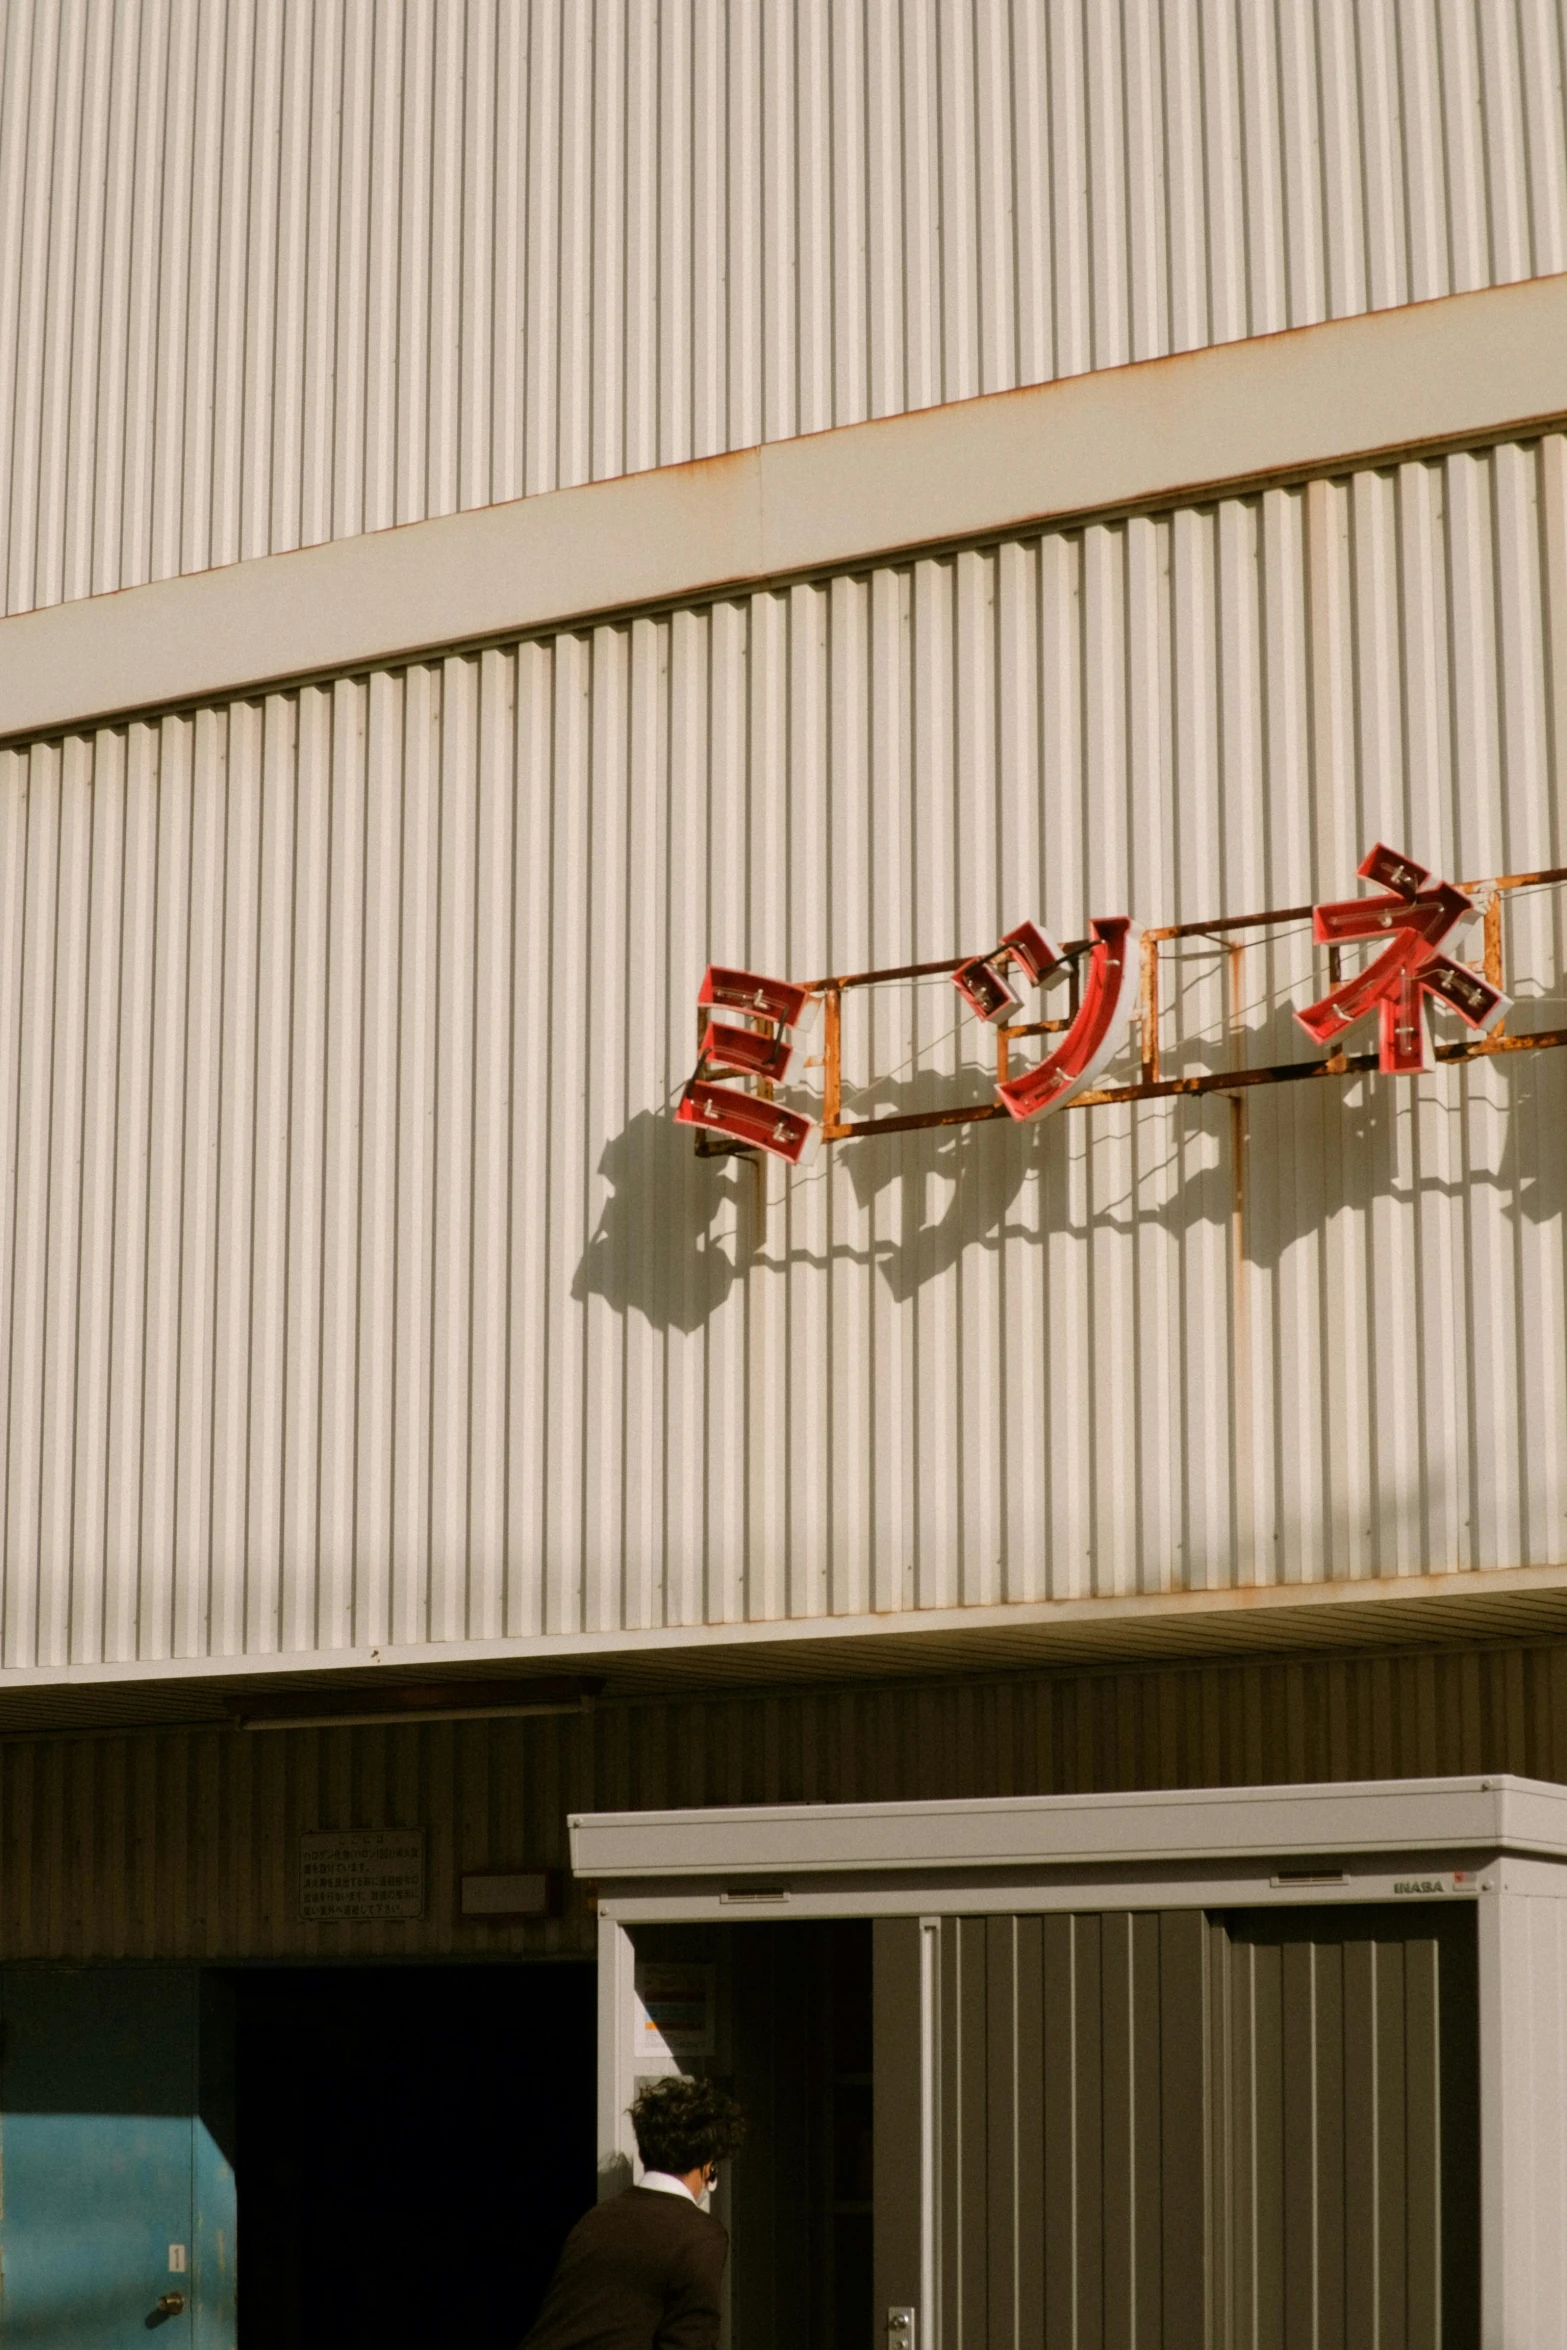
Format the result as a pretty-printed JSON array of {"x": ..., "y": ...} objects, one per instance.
[{"x": 674, "y": 2017}]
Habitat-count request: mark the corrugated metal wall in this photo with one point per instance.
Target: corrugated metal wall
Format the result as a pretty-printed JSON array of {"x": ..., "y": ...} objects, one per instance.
[
  {"x": 356, "y": 1287},
  {"x": 287, "y": 270},
  {"x": 184, "y": 1844}
]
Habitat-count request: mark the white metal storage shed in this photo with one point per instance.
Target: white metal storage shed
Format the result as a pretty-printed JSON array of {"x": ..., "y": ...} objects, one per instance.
[{"x": 1201, "y": 2067}]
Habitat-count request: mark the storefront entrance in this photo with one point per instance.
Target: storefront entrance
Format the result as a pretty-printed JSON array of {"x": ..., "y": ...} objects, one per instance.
[
  {"x": 306, "y": 2158},
  {"x": 413, "y": 2144}
]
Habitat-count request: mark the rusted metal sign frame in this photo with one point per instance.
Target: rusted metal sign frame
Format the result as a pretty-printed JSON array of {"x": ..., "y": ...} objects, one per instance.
[{"x": 1152, "y": 1084}]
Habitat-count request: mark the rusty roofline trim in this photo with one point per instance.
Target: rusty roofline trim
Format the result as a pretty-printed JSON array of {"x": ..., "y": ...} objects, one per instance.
[{"x": 1460, "y": 371}]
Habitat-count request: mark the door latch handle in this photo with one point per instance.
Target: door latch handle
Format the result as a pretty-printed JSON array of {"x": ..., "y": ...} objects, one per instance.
[{"x": 168, "y": 2305}]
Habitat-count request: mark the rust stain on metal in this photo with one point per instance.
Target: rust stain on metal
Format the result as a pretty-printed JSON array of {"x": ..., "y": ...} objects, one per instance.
[
  {"x": 1225, "y": 1081},
  {"x": 1148, "y": 1007},
  {"x": 1074, "y": 948},
  {"x": 1492, "y": 964},
  {"x": 1228, "y": 922},
  {"x": 832, "y": 1055}
]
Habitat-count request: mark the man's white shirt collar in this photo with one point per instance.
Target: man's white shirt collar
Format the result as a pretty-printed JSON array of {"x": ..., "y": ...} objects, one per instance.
[
  {"x": 664, "y": 2182},
  {"x": 668, "y": 2184}
]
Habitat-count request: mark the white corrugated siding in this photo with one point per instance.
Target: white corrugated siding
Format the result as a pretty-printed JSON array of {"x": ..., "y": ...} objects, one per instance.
[
  {"x": 357, "y": 1288},
  {"x": 287, "y": 270},
  {"x": 1532, "y": 2058},
  {"x": 178, "y": 1844}
]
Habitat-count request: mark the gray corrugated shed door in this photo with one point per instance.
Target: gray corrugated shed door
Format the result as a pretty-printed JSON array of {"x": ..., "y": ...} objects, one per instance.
[
  {"x": 1072, "y": 2131},
  {"x": 1344, "y": 2097},
  {"x": 1176, "y": 2132}
]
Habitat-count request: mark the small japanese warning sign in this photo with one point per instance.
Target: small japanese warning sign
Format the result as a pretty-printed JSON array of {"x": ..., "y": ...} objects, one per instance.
[
  {"x": 362, "y": 1873},
  {"x": 674, "y": 2017}
]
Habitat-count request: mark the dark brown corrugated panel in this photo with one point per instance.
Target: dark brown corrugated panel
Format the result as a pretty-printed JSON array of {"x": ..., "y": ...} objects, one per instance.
[
  {"x": 1344, "y": 2122},
  {"x": 184, "y": 1844},
  {"x": 1072, "y": 2179},
  {"x": 896, "y": 2113},
  {"x": 1257, "y": 2132}
]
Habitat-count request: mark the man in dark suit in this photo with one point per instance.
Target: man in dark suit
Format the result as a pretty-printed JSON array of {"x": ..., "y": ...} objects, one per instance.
[{"x": 645, "y": 2270}]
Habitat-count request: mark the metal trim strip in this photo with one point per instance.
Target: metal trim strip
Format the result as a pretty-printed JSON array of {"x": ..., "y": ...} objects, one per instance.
[{"x": 1450, "y": 372}]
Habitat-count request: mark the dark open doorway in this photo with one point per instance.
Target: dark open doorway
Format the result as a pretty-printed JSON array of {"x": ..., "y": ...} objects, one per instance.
[
  {"x": 794, "y": 2044},
  {"x": 413, "y": 2144},
  {"x": 802, "y": 2186}
]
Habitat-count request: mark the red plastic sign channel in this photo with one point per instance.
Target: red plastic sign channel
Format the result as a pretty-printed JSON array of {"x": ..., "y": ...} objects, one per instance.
[
  {"x": 982, "y": 986},
  {"x": 1093, "y": 1036},
  {"x": 1463, "y": 991},
  {"x": 750, "y": 1050},
  {"x": 748, "y": 991},
  {"x": 1402, "y": 1047},
  {"x": 763, "y": 1126},
  {"x": 1391, "y": 869},
  {"x": 1034, "y": 948}
]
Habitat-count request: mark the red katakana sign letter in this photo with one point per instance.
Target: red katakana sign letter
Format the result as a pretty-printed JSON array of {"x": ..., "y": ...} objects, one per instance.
[
  {"x": 754, "y": 1122},
  {"x": 1414, "y": 916},
  {"x": 1093, "y": 1035}
]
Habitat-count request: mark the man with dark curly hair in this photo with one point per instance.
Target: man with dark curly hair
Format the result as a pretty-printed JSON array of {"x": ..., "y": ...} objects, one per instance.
[{"x": 644, "y": 2271}]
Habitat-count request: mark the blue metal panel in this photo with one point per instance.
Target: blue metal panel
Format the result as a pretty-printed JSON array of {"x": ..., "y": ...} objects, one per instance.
[
  {"x": 214, "y": 2218},
  {"x": 100, "y": 2145},
  {"x": 214, "y": 2276}
]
